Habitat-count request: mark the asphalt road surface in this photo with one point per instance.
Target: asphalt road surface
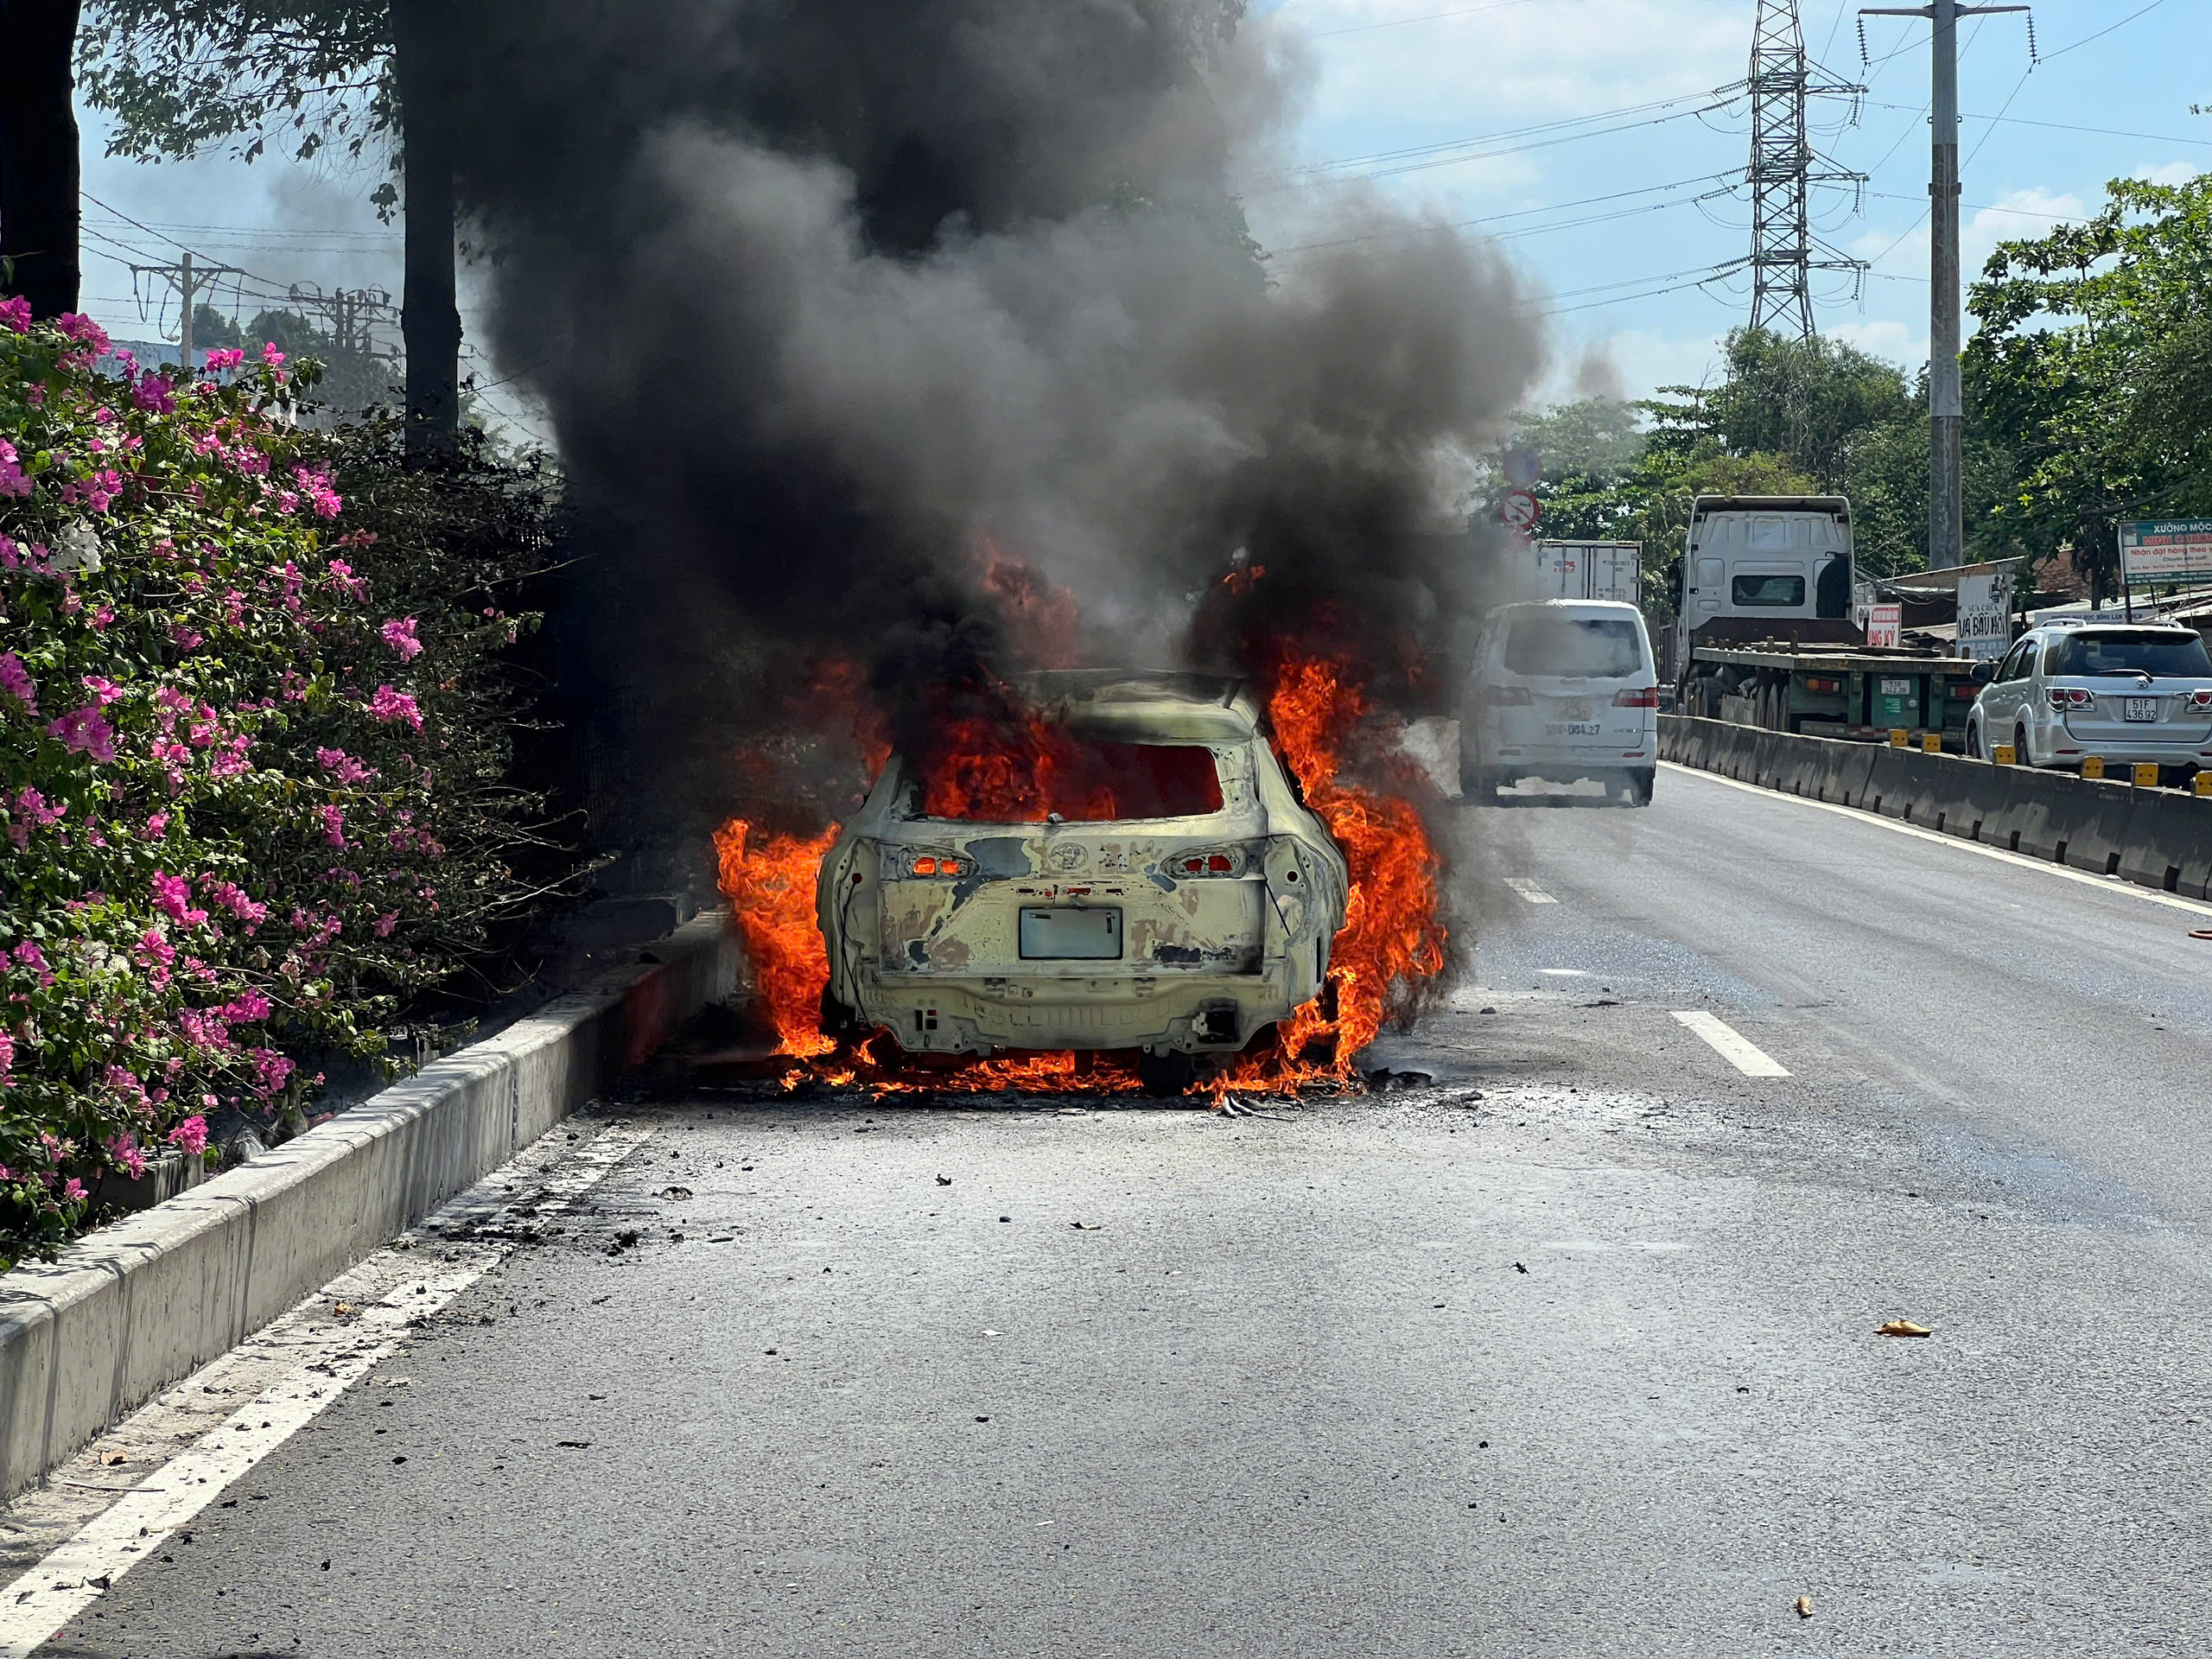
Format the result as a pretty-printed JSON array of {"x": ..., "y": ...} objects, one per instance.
[{"x": 1571, "y": 1351}]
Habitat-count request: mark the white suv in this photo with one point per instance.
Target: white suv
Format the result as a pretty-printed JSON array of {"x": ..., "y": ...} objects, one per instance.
[
  {"x": 1563, "y": 690},
  {"x": 2129, "y": 692}
]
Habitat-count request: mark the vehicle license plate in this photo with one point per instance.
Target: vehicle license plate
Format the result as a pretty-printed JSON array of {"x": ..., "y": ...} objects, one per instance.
[
  {"x": 1074, "y": 932},
  {"x": 2142, "y": 708},
  {"x": 1574, "y": 707},
  {"x": 1573, "y": 729}
]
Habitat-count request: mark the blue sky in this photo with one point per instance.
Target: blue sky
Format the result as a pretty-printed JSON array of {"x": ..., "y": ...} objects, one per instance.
[
  {"x": 1397, "y": 75},
  {"x": 1392, "y": 75}
]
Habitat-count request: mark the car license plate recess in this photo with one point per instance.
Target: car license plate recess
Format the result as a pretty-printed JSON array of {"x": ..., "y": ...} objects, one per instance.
[
  {"x": 1070, "y": 933},
  {"x": 1574, "y": 707},
  {"x": 2140, "y": 708}
]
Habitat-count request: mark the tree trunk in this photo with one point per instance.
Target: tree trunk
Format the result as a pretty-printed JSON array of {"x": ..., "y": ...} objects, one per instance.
[
  {"x": 38, "y": 153},
  {"x": 429, "y": 316}
]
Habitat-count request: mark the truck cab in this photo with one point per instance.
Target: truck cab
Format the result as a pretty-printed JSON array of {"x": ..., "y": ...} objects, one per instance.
[{"x": 1761, "y": 568}]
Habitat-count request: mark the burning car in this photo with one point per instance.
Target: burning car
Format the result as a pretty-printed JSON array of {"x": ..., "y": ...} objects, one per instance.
[{"x": 1137, "y": 873}]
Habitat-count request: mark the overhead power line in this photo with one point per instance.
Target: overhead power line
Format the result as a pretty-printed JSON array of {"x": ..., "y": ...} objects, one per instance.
[{"x": 1541, "y": 135}]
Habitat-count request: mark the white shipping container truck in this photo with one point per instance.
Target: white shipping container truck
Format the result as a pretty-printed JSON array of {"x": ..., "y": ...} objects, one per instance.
[{"x": 1589, "y": 570}]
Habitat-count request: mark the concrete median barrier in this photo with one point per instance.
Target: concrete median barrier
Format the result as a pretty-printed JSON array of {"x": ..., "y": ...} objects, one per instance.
[
  {"x": 1970, "y": 799},
  {"x": 2170, "y": 844},
  {"x": 2153, "y": 838},
  {"x": 132, "y": 1307}
]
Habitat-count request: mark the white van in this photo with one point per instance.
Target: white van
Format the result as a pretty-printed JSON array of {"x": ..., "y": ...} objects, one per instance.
[{"x": 1563, "y": 690}]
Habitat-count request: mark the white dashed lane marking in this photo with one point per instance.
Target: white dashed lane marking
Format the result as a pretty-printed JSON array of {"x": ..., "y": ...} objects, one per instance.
[
  {"x": 1732, "y": 1045},
  {"x": 1529, "y": 890}
]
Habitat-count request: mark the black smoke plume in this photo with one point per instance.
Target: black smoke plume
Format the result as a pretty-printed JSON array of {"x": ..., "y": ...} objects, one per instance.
[{"x": 831, "y": 301}]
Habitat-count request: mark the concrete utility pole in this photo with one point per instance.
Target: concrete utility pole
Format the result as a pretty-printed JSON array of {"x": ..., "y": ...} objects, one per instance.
[
  {"x": 1783, "y": 171},
  {"x": 190, "y": 277},
  {"x": 1946, "y": 405}
]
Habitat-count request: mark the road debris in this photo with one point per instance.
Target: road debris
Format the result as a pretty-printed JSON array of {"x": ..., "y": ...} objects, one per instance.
[
  {"x": 944, "y": 1181},
  {"x": 1087, "y": 1226},
  {"x": 1519, "y": 1268},
  {"x": 111, "y": 1456},
  {"x": 1804, "y": 1607},
  {"x": 1903, "y": 1328},
  {"x": 675, "y": 1194}
]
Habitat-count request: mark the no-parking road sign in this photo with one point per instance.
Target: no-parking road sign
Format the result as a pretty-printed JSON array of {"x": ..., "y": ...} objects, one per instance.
[{"x": 1518, "y": 510}]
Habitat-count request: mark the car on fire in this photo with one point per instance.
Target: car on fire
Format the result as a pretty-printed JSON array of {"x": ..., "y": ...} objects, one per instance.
[{"x": 1164, "y": 892}]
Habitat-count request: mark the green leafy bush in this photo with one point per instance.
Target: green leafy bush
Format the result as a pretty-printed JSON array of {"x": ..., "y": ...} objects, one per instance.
[{"x": 256, "y": 716}]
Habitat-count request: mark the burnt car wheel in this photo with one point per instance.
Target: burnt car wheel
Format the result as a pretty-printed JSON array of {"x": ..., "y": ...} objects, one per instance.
[
  {"x": 1166, "y": 1074},
  {"x": 837, "y": 1020}
]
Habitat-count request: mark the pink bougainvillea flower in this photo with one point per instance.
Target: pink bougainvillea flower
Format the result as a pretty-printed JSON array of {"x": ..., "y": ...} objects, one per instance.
[
  {"x": 390, "y": 705},
  {"x": 333, "y": 824},
  {"x": 13, "y": 481},
  {"x": 16, "y": 315},
  {"x": 270, "y": 355},
  {"x": 15, "y": 682},
  {"x": 226, "y": 357},
  {"x": 173, "y": 897},
  {"x": 385, "y": 923},
  {"x": 104, "y": 689},
  {"x": 400, "y": 636},
  {"x": 82, "y": 329},
  {"x": 190, "y": 1135},
  {"x": 154, "y": 395},
  {"x": 317, "y": 487},
  {"x": 73, "y": 1189},
  {"x": 83, "y": 731}
]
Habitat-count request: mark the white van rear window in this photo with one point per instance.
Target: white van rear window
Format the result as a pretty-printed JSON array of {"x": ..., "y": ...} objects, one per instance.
[{"x": 1544, "y": 642}]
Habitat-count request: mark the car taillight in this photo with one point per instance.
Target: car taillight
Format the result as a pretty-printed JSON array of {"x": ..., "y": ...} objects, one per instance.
[
  {"x": 2069, "y": 696},
  {"x": 1508, "y": 696},
  {"x": 1641, "y": 697},
  {"x": 2200, "y": 699},
  {"x": 939, "y": 864},
  {"x": 1209, "y": 862}
]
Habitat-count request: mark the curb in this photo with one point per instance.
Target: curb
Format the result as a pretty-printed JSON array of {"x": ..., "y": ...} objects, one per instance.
[{"x": 128, "y": 1310}]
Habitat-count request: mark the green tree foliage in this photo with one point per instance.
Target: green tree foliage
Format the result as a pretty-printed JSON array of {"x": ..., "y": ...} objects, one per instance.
[
  {"x": 181, "y": 77},
  {"x": 2094, "y": 365}
]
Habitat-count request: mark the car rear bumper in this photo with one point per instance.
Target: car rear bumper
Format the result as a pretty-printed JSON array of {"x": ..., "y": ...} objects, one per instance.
[{"x": 1190, "y": 1013}]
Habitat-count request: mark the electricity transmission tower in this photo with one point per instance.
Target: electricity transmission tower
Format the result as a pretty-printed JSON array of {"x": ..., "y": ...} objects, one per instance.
[{"x": 1785, "y": 166}]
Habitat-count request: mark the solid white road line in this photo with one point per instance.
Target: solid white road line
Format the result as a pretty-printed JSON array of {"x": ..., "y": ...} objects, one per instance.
[
  {"x": 325, "y": 1359},
  {"x": 1529, "y": 890},
  {"x": 2102, "y": 883},
  {"x": 1730, "y": 1044}
]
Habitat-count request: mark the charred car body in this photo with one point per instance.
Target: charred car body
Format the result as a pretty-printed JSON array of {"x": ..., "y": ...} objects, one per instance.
[{"x": 1189, "y": 905}]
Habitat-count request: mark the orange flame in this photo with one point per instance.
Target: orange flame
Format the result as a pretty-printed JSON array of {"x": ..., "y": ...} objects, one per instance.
[
  {"x": 1393, "y": 939},
  {"x": 770, "y": 886}
]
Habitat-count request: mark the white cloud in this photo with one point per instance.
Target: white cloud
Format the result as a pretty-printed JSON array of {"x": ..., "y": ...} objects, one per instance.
[
  {"x": 2167, "y": 173},
  {"x": 1901, "y": 343},
  {"x": 1487, "y": 68}
]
